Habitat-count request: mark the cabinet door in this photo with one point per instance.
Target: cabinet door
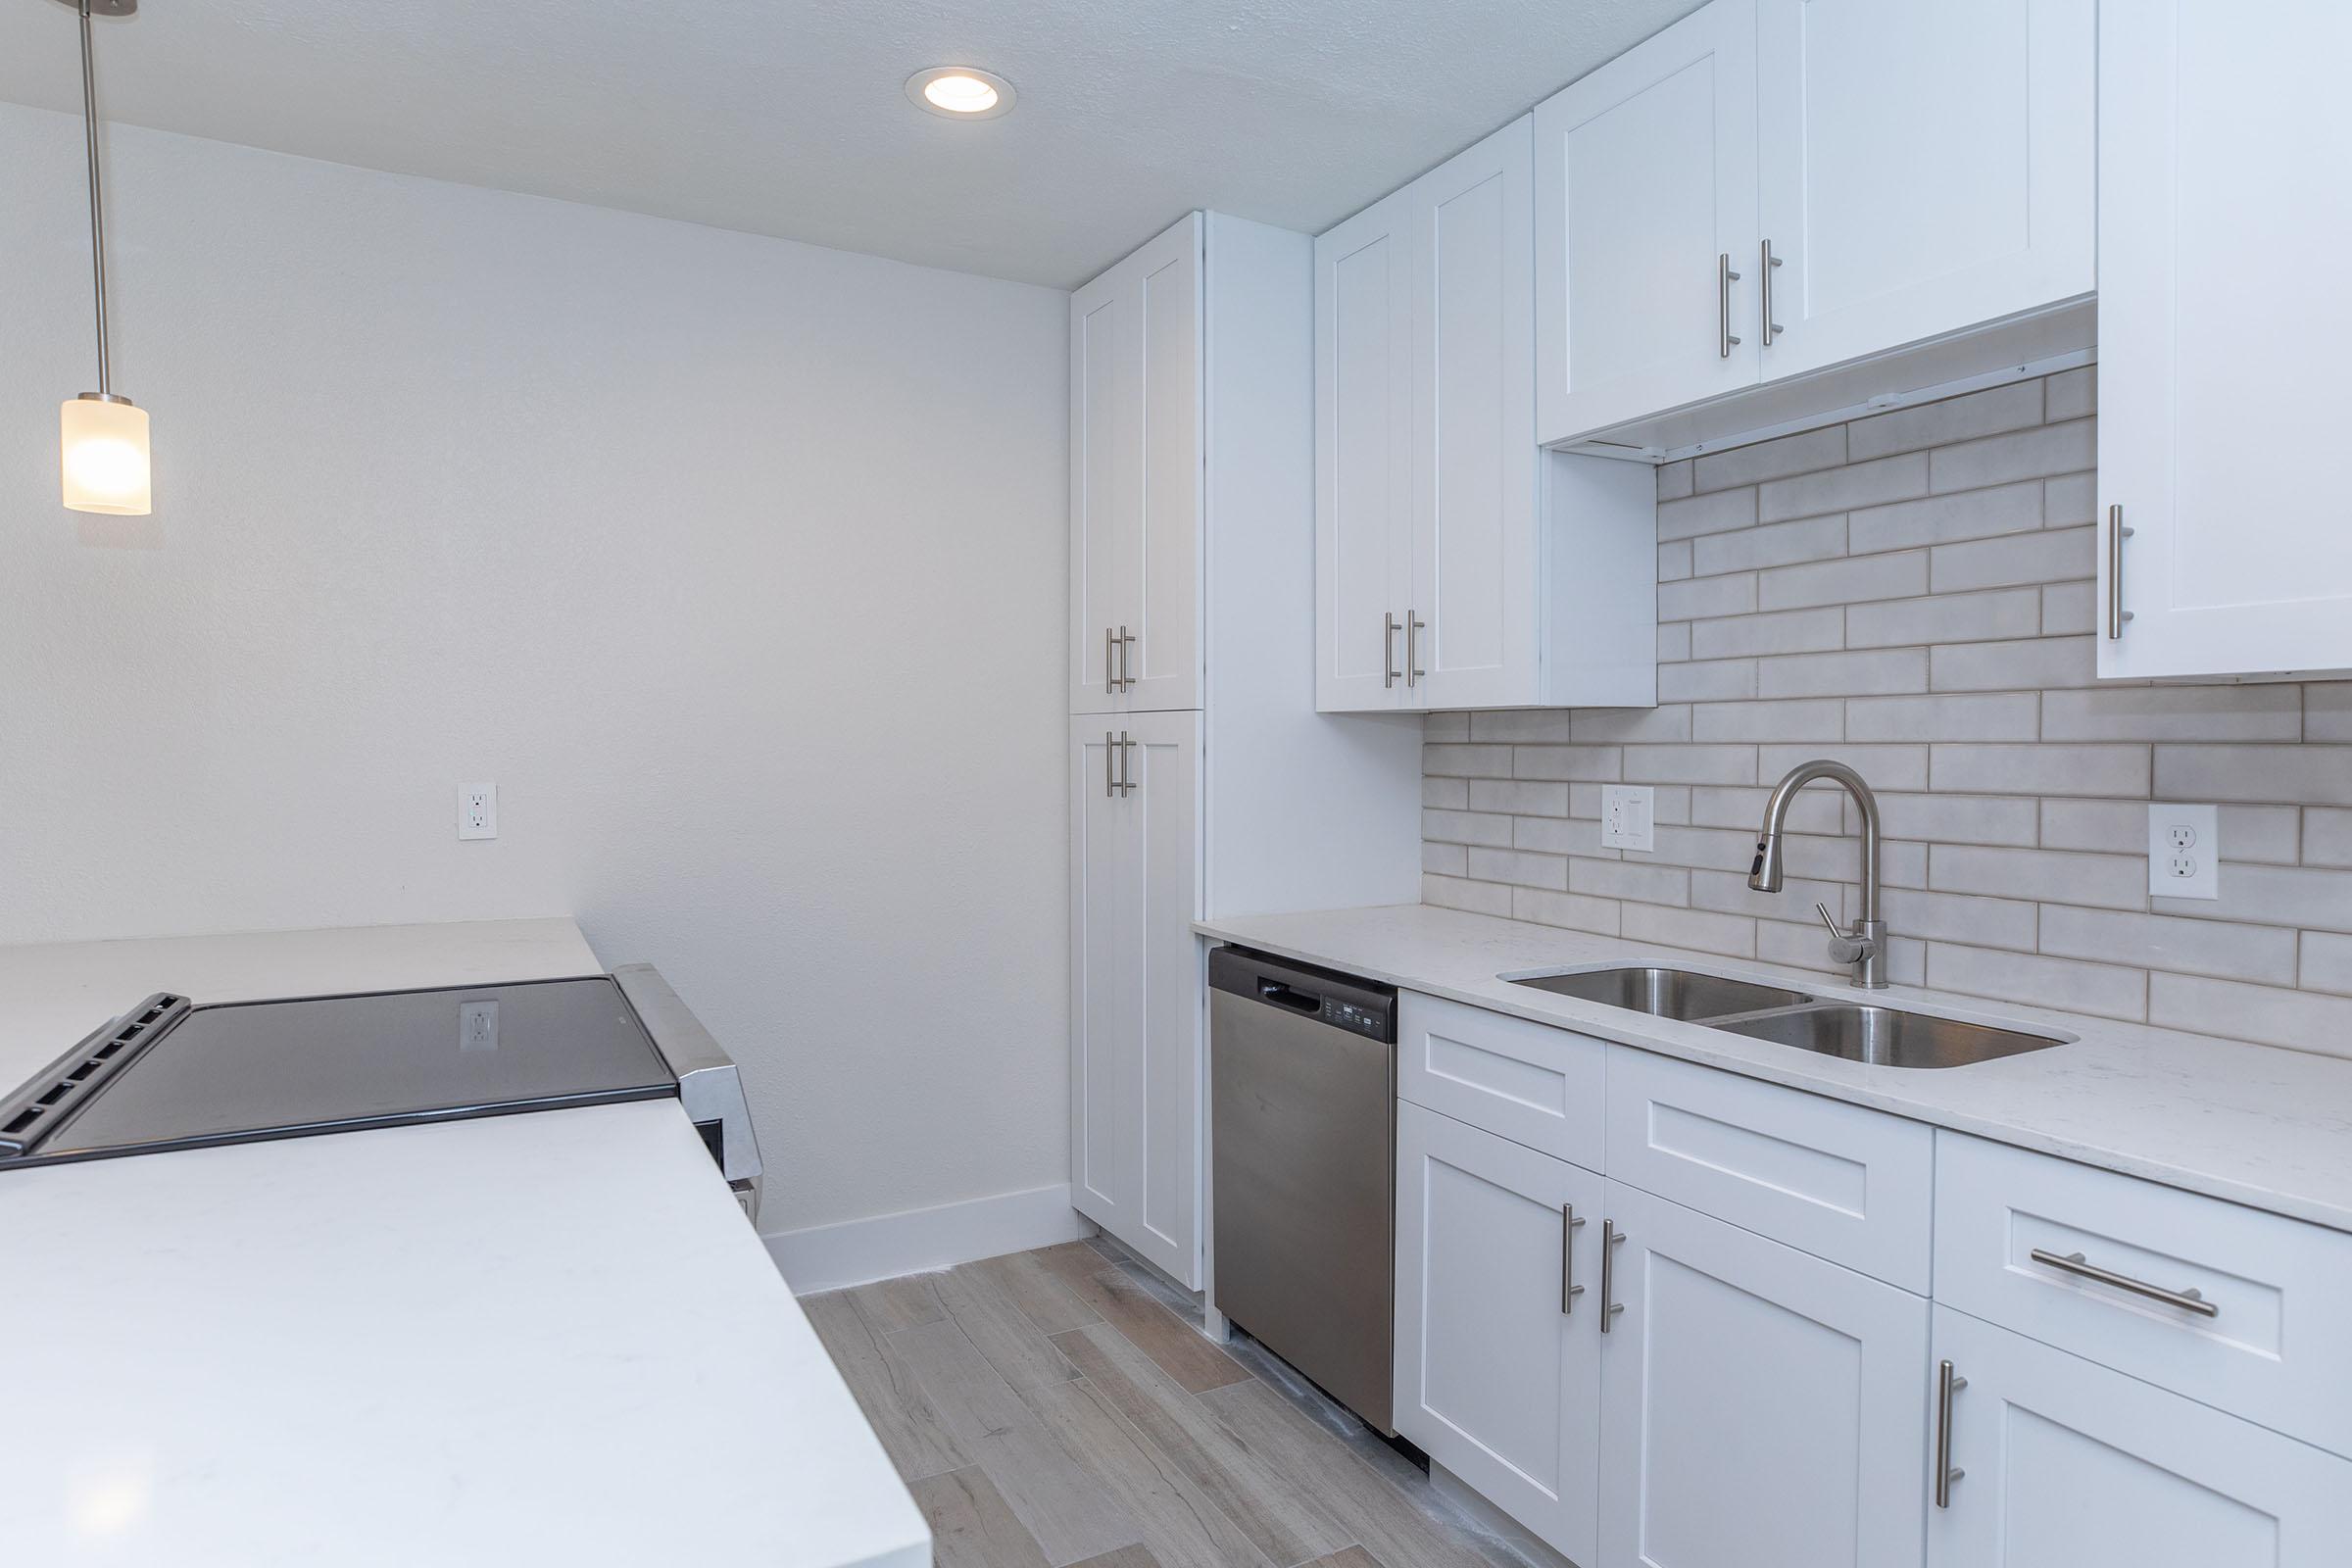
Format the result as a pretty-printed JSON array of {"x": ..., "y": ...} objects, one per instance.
[
  {"x": 2065, "y": 1464},
  {"x": 1475, "y": 559},
  {"x": 1106, "y": 953},
  {"x": 1764, "y": 1408},
  {"x": 1646, "y": 195},
  {"x": 1363, "y": 456},
  {"x": 2222, "y": 138},
  {"x": 1983, "y": 206},
  {"x": 1134, "y": 983},
  {"x": 1498, "y": 1365},
  {"x": 1135, "y": 480}
]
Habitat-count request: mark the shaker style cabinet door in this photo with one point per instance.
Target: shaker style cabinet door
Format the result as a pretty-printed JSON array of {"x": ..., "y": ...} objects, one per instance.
[
  {"x": 2222, "y": 218},
  {"x": 1135, "y": 480},
  {"x": 1476, "y": 555},
  {"x": 2064, "y": 1464},
  {"x": 1364, "y": 412},
  {"x": 1762, "y": 1408},
  {"x": 1645, "y": 204},
  {"x": 1498, "y": 1362},
  {"x": 1923, "y": 168},
  {"x": 1134, "y": 983}
]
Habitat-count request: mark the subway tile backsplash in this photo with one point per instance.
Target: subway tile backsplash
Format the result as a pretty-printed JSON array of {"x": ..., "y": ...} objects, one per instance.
[{"x": 1912, "y": 593}]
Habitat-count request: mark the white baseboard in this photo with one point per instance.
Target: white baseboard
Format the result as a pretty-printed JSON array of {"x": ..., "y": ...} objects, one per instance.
[{"x": 857, "y": 1251}]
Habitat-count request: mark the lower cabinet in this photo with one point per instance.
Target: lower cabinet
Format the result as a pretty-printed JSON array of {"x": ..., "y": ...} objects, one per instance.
[
  {"x": 1499, "y": 1321},
  {"x": 1135, "y": 982},
  {"x": 2060, "y": 1463},
  {"x": 1759, "y": 1407}
]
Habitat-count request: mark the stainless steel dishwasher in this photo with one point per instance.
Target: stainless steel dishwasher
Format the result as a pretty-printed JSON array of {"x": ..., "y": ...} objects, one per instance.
[{"x": 1303, "y": 1106}]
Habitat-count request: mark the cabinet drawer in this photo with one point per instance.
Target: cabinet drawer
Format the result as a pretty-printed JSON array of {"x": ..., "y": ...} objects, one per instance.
[
  {"x": 2276, "y": 1346},
  {"x": 1834, "y": 1180},
  {"x": 1528, "y": 1082}
]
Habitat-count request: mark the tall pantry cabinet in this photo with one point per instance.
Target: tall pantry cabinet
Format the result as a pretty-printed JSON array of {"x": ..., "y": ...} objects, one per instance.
[{"x": 1202, "y": 782}]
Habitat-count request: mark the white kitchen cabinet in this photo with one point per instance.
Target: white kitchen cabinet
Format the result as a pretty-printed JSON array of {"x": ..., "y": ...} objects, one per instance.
[
  {"x": 1923, "y": 174},
  {"x": 1498, "y": 1319},
  {"x": 1982, "y": 206},
  {"x": 1135, "y": 980},
  {"x": 2064, "y": 1464},
  {"x": 1192, "y": 504},
  {"x": 1457, "y": 565},
  {"x": 2222, "y": 208},
  {"x": 1760, "y": 1408},
  {"x": 1135, "y": 480},
  {"x": 1645, "y": 204}
]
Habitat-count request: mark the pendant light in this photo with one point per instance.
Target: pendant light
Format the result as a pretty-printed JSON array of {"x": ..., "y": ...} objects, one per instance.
[{"x": 102, "y": 437}]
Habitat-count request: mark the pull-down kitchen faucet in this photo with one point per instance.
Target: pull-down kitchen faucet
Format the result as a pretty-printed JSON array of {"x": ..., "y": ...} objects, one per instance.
[{"x": 1865, "y": 946}]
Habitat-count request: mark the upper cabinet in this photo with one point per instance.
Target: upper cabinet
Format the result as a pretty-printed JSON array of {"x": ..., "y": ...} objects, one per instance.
[
  {"x": 1456, "y": 564},
  {"x": 2222, "y": 209},
  {"x": 1135, "y": 480},
  {"x": 1774, "y": 189},
  {"x": 1646, "y": 228}
]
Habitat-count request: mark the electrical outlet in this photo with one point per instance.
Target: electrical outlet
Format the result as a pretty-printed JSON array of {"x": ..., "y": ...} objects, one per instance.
[
  {"x": 478, "y": 810},
  {"x": 1628, "y": 816},
  {"x": 478, "y": 1025},
  {"x": 2185, "y": 852}
]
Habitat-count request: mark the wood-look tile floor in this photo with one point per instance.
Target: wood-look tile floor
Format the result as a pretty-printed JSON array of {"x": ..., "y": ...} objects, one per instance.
[{"x": 1056, "y": 1407}]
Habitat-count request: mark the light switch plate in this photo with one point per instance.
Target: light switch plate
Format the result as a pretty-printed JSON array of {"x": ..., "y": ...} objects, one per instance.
[
  {"x": 2185, "y": 852},
  {"x": 1628, "y": 816}
]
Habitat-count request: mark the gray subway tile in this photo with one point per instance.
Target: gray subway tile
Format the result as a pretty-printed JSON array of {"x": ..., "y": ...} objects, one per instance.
[
  {"x": 1674, "y": 642},
  {"x": 1444, "y": 792},
  {"x": 1519, "y": 796},
  {"x": 2051, "y": 554},
  {"x": 1460, "y": 893},
  {"x": 2100, "y": 989},
  {"x": 1697, "y": 597},
  {"x": 1521, "y": 727},
  {"x": 1987, "y": 923},
  {"x": 1570, "y": 911},
  {"x": 1445, "y": 860},
  {"x": 2022, "y": 454},
  {"x": 1887, "y": 767},
  {"x": 1668, "y": 721},
  {"x": 1602, "y": 762},
  {"x": 1466, "y": 827},
  {"x": 1691, "y": 765},
  {"x": 1520, "y": 868},
  {"x": 2071, "y": 394},
  {"x": 2314, "y": 899},
  {"x": 1819, "y": 718},
  {"x": 2328, "y": 710},
  {"x": 1994, "y": 409},
  {"x": 1876, "y": 673},
  {"x": 2107, "y": 881},
  {"x": 1467, "y": 761},
  {"x": 1941, "y": 520},
  {"x": 2069, "y": 608},
  {"x": 1443, "y": 727},
  {"x": 1802, "y": 452},
  {"x": 1960, "y": 818},
  {"x": 1849, "y": 580},
  {"x": 2005, "y": 613},
  {"x": 1674, "y": 559},
  {"x": 2070, "y": 500},
  {"x": 1713, "y": 680},
  {"x": 2308, "y": 774},
  {"x": 2327, "y": 836},
  {"x": 2173, "y": 714},
  {"x": 1706, "y": 514},
  {"x": 1778, "y": 544},
  {"x": 2299, "y": 1020},
  {"x": 1702, "y": 930},
  {"x": 2039, "y": 663},
  {"x": 2326, "y": 963},
  {"x": 1857, "y": 485},
  {"x": 2116, "y": 772},
  {"x": 1559, "y": 835},
  {"x": 2261, "y": 833},
  {"x": 1787, "y": 631},
  {"x": 1674, "y": 480},
  {"x": 2258, "y": 952},
  {"x": 1645, "y": 881},
  {"x": 1962, "y": 717}
]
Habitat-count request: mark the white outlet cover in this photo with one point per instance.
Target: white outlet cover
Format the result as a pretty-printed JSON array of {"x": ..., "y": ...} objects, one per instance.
[
  {"x": 478, "y": 810},
  {"x": 478, "y": 1025},
  {"x": 1629, "y": 816},
  {"x": 2185, "y": 852}
]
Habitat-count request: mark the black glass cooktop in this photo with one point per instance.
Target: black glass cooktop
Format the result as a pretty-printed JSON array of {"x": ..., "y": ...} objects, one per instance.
[{"x": 243, "y": 1071}]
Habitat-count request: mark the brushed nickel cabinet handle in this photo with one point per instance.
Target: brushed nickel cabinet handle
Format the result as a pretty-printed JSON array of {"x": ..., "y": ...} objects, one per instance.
[
  {"x": 1610, "y": 1235},
  {"x": 1414, "y": 625},
  {"x": 1569, "y": 1289},
  {"x": 1767, "y": 260},
  {"x": 1725, "y": 277},
  {"x": 1388, "y": 650},
  {"x": 1126, "y": 764},
  {"x": 1947, "y": 1385},
  {"x": 2117, "y": 534},
  {"x": 2189, "y": 1300},
  {"x": 1110, "y": 763},
  {"x": 1110, "y": 673}
]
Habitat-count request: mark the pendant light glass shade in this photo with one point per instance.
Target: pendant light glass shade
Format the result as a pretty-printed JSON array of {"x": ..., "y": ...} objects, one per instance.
[{"x": 103, "y": 445}]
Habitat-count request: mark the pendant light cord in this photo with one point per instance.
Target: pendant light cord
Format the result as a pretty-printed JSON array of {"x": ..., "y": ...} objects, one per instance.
[{"x": 89, "y": 120}]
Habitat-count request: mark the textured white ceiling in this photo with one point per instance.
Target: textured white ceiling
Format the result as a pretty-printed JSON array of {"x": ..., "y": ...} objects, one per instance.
[{"x": 787, "y": 118}]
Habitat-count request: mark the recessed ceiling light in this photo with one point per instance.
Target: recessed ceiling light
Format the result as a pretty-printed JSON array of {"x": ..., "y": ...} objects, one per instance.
[{"x": 960, "y": 92}]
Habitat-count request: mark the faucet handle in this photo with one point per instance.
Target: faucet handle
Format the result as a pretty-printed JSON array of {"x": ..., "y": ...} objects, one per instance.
[
  {"x": 1847, "y": 947},
  {"x": 1829, "y": 922}
]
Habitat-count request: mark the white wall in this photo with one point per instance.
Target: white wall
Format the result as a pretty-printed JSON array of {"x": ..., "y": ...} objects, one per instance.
[{"x": 737, "y": 564}]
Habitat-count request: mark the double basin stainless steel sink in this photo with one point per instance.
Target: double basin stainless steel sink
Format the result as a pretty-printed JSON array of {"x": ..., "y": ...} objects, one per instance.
[{"x": 1888, "y": 1037}]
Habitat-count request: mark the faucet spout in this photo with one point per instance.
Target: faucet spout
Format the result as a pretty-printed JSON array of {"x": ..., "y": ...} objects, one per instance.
[{"x": 1865, "y": 947}]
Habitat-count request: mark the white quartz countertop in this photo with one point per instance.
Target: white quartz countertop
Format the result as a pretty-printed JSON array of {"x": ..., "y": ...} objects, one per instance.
[
  {"x": 540, "y": 1338},
  {"x": 2250, "y": 1123}
]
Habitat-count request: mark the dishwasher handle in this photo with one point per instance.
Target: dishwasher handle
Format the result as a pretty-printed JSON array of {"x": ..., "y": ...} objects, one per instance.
[{"x": 1304, "y": 991}]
